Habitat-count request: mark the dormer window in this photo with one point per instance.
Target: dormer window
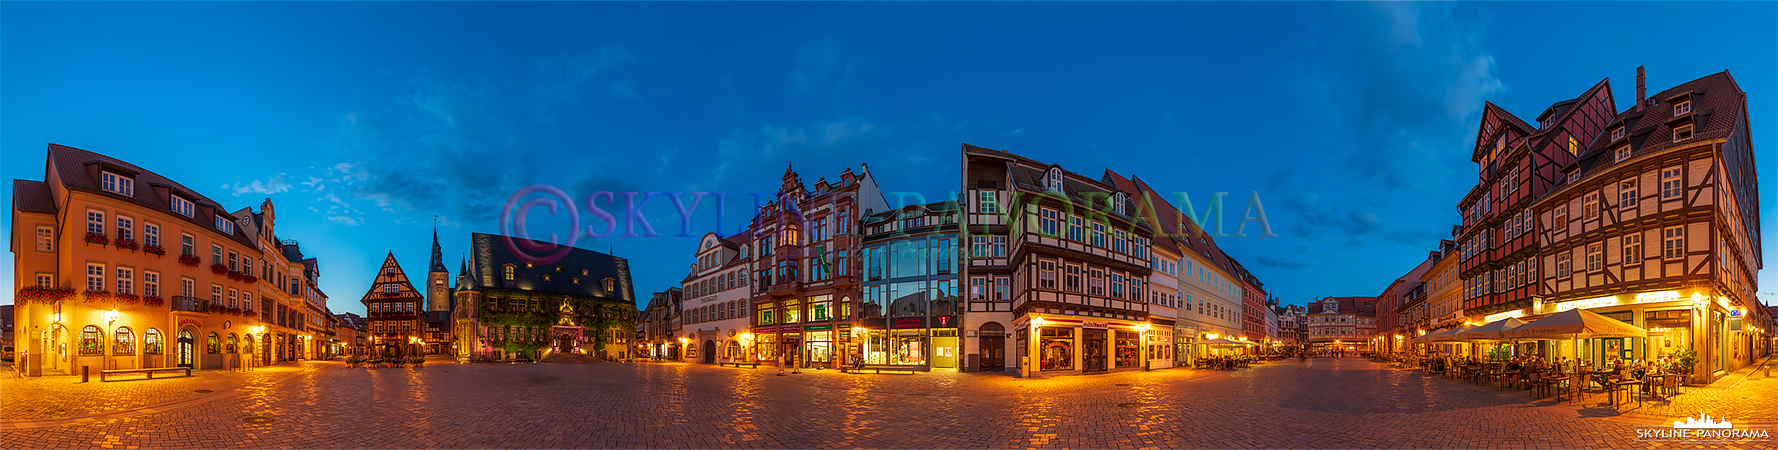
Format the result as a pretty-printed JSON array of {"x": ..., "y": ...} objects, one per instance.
[
  {"x": 610, "y": 284},
  {"x": 1621, "y": 154},
  {"x": 183, "y": 206},
  {"x": 225, "y": 225},
  {"x": 1616, "y": 133},
  {"x": 1682, "y": 107},
  {"x": 1053, "y": 181},
  {"x": 1682, "y": 132},
  {"x": 1117, "y": 203},
  {"x": 118, "y": 184}
]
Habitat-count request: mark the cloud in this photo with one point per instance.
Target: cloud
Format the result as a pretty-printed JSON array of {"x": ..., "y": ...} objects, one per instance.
[
  {"x": 1413, "y": 77},
  {"x": 274, "y": 185},
  {"x": 825, "y": 146},
  {"x": 347, "y": 221},
  {"x": 1016, "y": 132},
  {"x": 1281, "y": 262},
  {"x": 459, "y": 146}
]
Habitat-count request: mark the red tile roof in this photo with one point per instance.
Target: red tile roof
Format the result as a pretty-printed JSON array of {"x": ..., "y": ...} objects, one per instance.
[
  {"x": 1718, "y": 104},
  {"x": 70, "y": 165},
  {"x": 32, "y": 196}
]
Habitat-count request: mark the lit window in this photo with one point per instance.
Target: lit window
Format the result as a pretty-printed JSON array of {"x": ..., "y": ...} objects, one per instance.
[{"x": 1573, "y": 146}]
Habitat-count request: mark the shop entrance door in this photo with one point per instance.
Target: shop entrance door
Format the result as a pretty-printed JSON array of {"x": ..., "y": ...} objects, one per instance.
[
  {"x": 1093, "y": 355},
  {"x": 994, "y": 353},
  {"x": 182, "y": 349},
  {"x": 709, "y": 352}
]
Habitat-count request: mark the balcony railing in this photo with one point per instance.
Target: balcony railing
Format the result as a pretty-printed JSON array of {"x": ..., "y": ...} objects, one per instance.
[{"x": 191, "y": 304}]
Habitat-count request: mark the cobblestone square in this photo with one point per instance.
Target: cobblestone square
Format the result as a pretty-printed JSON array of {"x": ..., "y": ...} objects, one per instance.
[{"x": 1318, "y": 403}]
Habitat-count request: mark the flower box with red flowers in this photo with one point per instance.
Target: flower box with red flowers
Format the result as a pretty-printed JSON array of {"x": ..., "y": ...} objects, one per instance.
[
  {"x": 188, "y": 260},
  {"x": 47, "y": 296},
  {"x": 153, "y": 301},
  {"x": 391, "y": 294},
  {"x": 126, "y": 243},
  {"x": 234, "y": 311},
  {"x": 235, "y": 275},
  {"x": 97, "y": 296},
  {"x": 97, "y": 238},
  {"x": 126, "y": 298},
  {"x": 219, "y": 269},
  {"x": 155, "y": 250},
  {"x": 249, "y": 279},
  {"x": 217, "y": 309}
]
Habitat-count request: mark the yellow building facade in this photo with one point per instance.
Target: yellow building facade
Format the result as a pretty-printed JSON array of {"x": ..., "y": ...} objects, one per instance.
[{"x": 120, "y": 268}]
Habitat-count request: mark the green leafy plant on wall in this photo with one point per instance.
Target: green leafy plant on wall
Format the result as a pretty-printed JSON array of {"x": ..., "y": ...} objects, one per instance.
[{"x": 1499, "y": 353}]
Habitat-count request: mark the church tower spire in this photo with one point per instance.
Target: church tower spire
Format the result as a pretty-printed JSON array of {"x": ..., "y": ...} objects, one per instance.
[{"x": 438, "y": 292}]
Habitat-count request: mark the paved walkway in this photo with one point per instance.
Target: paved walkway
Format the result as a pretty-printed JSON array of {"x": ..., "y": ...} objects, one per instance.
[
  {"x": 1321, "y": 403},
  {"x": 66, "y": 397}
]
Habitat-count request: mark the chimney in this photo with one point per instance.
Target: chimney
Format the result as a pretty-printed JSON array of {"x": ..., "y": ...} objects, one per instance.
[{"x": 1641, "y": 89}]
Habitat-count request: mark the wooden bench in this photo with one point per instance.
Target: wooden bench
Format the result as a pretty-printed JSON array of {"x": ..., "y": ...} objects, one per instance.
[
  {"x": 879, "y": 368},
  {"x": 103, "y": 374},
  {"x": 737, "y": 364}
]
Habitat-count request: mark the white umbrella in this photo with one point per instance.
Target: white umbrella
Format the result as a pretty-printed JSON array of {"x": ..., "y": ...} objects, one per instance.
[
  {"x": 1574, "y": 324},
  {"x": 1492, "y": 331},
  {"x": 1448, "y": 335}
]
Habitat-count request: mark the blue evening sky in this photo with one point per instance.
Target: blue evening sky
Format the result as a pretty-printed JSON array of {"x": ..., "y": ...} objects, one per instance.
[{"x": 362, "y": 121}]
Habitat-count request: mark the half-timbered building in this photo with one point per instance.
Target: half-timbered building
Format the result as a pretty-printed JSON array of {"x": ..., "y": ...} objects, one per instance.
[
  {"x": 393, "y": 309},
  {"x": 1655, "y": 224},
  {"x": 1518, "y": 163},
  {"x": 1057, "y": 260}
]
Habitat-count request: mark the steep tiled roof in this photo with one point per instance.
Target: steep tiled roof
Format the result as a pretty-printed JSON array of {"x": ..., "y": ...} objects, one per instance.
[
  {"x": 32, "y": 196},
  {"x": 71, "y": 164},
  {"x": 1028, "y": 175},
  {"x": 492, "y": 253},
  {"x": 1716, "y": 101},
  {"x": 1191, "y": 238}
]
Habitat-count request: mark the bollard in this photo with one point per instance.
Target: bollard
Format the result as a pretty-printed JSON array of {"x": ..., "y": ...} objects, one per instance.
[{"x": 85, "y": 371}]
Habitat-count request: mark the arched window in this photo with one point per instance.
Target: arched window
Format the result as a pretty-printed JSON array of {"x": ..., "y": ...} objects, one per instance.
[
  {"x": 214, "y": 345},
  {"x": 151, "y": 342},
  {"x": 123, "y": 341},
  {"x": 92, "y": 341},
  {"x": 233, "y": 343},
  {"x": 1117, "y": 203},
  {"x": 507, "y": 272},
  {"x": 247, "y": 344},
  {"x": 1053, "y": 181}
]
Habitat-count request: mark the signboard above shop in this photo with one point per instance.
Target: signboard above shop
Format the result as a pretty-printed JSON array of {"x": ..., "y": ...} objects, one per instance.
[{"x": 1618, "y": 300}]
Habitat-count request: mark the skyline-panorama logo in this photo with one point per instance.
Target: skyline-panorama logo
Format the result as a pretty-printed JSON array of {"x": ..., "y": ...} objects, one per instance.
[{"x": 1703, "y": 429}]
